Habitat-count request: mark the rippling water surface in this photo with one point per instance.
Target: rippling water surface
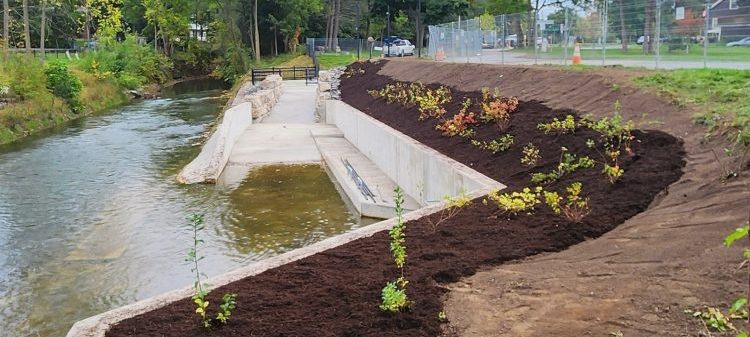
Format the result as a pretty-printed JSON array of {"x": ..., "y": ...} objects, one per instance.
[{"x": 91, "y": 217}]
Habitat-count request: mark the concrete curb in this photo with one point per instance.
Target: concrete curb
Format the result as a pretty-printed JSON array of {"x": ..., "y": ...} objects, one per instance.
[{"x": 97, "y": 326}]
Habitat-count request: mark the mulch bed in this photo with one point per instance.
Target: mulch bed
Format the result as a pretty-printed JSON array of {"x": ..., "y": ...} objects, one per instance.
[{"x": 337, "y": 292}]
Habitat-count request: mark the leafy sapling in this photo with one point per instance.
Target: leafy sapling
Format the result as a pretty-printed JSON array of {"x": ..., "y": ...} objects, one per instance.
[
  {"x": 453, "y": 206},
  {"x": 530, "y": 155},
  {"x": 569, "y": 163},
  {"x": 201, "y": 289},
  {"x": 574, "y": 206},
  {"x": 393, "y": 295}
]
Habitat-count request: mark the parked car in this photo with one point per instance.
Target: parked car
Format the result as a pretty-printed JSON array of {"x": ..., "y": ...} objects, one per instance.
[
  {"x": 400, "y": 48},
  {"x": 642, "y": 39},
  {"x": 741, "y": 43}
]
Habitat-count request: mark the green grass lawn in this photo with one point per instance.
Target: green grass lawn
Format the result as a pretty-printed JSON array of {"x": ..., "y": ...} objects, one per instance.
[
  {"x": 332, "y": 60},
  {"x": 722, "y": 95},
  {"x": 635, "y": 52}
]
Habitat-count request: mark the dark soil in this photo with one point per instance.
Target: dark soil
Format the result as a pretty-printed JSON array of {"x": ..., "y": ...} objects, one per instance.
[{"x": 337, "y": 292}]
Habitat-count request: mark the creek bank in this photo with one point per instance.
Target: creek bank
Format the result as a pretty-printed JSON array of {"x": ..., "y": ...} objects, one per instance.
[{"x": 337, "y": 292}]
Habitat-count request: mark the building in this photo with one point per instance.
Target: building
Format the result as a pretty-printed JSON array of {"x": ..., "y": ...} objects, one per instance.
[{"x": 730, "y": 19}]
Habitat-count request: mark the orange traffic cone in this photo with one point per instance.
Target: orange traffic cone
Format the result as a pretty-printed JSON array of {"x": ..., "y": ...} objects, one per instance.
[
  {"x": 577, "y": 54},
  {"x": 440, "y": 54}
]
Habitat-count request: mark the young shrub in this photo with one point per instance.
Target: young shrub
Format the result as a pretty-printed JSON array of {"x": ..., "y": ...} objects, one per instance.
[
  {"x": 559, "y": 127},
  {"x": 530, "y": 155},
  {"x": 569, "y": 163},
  {"x": 431, "y": 103},
  {"x": 393, "y": 295},
  {"x": 497, "y": 109},
  {"x": 458, "y": 125},
  {"x": 496, "y": 145},
  {"x": 574, "y": 207},
  {"x": 615, "y": 135},
  {"x": 517, "y": 202},
  {"x": 453, "y": 206},
  {"x": 201, "y": 289},
  {"x": 64, "y": 84}
]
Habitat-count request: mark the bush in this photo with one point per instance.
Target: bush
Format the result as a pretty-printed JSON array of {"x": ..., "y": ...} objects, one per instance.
[
  {"x": 64, "y": 84},
  {"x": 22, "y": 76},
  {"x": 129, "y": 63},
  {"x": 233, "y": 64}
]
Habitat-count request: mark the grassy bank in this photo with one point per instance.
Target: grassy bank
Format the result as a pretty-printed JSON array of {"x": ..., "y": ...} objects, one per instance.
[{"x": 721, "y": 95}]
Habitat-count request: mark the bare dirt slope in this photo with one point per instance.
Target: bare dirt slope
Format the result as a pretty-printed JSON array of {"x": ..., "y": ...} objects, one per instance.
[{"x": 636, "y": 279}]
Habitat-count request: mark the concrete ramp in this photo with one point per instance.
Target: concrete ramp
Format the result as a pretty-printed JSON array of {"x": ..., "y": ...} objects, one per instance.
[{"x": 366, "y": 186}]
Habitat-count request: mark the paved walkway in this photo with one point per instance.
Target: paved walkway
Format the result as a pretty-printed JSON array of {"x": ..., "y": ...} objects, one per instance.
[{"x": 490, "y": 56}]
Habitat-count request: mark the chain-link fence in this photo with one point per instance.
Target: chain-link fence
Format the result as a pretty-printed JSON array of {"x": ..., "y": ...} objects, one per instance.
[
  {"x": 643, "y": 33},
  {"x": 342, "y": 48}
]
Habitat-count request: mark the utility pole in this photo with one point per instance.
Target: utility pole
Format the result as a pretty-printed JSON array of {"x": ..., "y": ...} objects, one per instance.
[
  {"x": 604, "y": 32},
  {"x": 566, "y": 36},
  {"x": 705, "y": 33},
  {"x": 419, "y": 29},
  {"x": 658, "y": 32}
]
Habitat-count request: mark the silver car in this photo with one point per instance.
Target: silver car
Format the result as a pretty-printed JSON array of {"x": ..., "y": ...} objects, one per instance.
[{"x": 741, "y": 43}]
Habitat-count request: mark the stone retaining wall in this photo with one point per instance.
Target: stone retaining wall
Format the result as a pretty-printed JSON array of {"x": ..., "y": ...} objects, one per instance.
[{"x": 328, "y": 88}]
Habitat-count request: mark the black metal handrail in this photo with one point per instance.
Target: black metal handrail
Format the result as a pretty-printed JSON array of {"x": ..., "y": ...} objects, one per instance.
[{"x": 289, "y": 73}]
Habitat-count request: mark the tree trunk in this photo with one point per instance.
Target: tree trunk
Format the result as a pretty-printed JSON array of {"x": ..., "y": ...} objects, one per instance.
[
  {"x": 329, "y": 25},
  {"x": 647, "y": 28},
  {"x": 520, "y": 40},
  {"x": 6, "y": 27},
  {"x": 257, "y": 33},
  {"x": 336, "y": 17},
  {"x": 623, "y": 30},
  {"x": 26, "y": 34},
  {"x": 275, "y": 42},
  {"x": 43, "y": 27}
]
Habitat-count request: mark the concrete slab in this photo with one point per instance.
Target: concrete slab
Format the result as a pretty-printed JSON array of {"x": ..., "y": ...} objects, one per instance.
[
  {"x": 263, "y": 144},
  {"x": 297, "y": 104},
  {"x": 335, "y": 151}
]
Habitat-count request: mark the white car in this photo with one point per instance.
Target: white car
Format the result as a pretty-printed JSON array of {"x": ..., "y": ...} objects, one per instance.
[
  {"x": 741, "y": 43},
  {"x": 400, "y": 48}
]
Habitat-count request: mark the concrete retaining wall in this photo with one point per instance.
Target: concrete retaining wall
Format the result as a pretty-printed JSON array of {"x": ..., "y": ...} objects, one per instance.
[
  {"x": 423, "y": 173},
  {"x": 215, "y": 152},
  {"x": 249, "y": 103}
]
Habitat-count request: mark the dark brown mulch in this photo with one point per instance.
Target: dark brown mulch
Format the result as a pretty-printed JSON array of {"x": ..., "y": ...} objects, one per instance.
[{"x": 337, "y": 292}]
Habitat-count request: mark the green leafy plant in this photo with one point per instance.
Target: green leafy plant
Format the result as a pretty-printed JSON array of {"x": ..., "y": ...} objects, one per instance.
[
  {"x": 393, "y": 295},
  {"x": 569, "y": 163},
  {"x": 516, "y": 202},
  {"x": 229, "y": 302},
  {"x": 441, "y": 316},
  {"x": 457, "y": 125},
  {"x": 431, "y": 103},
  {"x": 496, "y": 145},
  {"x": 453, "y": 206},
  {"x": 573, "y": 206},
  {"x": 530, "y": 155},
  {"x": 64, "y": 84},
  {"x": 615, "y": 135},
  {"x": 199, "y": 297},
  {"x": 201, "y": 289},
  {"x": 559, "y": 127}
]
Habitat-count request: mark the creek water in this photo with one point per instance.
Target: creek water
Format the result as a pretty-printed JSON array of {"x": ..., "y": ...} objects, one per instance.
[{"x": 91, "y": 217}]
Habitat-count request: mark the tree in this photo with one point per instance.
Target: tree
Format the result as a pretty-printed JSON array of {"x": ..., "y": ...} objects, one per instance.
[
  {"x": 6, "y": 26},
  {"x": 42, "y": 27},
  {"x": 26, "y": 34},
  {"x": 256, "y": 30}
]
